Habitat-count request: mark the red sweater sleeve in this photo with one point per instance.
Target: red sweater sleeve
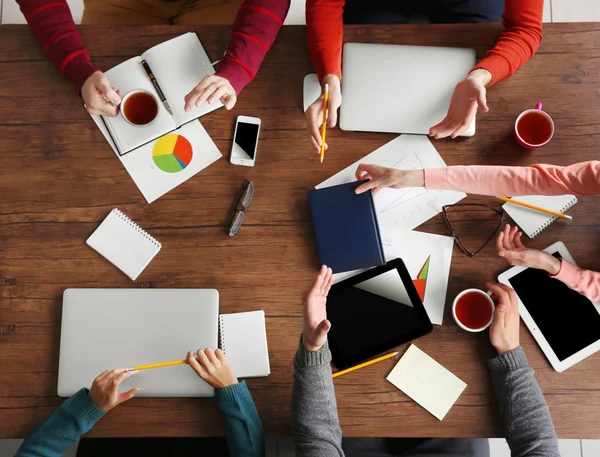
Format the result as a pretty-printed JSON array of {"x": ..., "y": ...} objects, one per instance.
[
  {"x": 254, "y": 31},
  {"x": 325, "y": 30},
  {"x": 52, "y": 26},
  {"x": 522, "y": 20}
]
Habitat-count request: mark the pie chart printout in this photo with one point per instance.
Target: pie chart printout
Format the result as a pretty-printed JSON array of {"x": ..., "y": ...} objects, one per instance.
[{"x": 172, "y": 153}]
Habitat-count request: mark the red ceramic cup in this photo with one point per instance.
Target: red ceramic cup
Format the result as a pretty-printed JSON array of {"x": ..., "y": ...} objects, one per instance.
[{"x": 534, "y": 128}]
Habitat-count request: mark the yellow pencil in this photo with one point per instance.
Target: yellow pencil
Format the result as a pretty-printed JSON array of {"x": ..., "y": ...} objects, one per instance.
[
  {"x": 537, "y": 208},
  {"x": 157, "y": 365},
  {"x": 365, "y": 364},
  {"x": 325, "y": 107}
]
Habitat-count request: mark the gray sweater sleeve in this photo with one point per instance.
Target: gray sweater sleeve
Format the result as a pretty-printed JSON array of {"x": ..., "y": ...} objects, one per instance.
[
  {"x": 525, "y": 416},
  {"x": 315, "y": 424}
]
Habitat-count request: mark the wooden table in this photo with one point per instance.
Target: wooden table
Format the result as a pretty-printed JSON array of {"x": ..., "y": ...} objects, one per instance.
[{"x": 59, "y": 179}]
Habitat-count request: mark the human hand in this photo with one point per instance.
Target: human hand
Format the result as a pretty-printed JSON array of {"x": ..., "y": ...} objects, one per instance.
[
  {"x": 211, "y": 89},
  {"x": 468, "y": 95},
  {"x": 316, "y": 325},
  {"x": 99, "y": 97},
  {"x": 509, "y": 246},
  {"x": 213, "y": 367},
  {"x": 382, "y": 177},
  {"x": 504, "y": 331},
  {"x": 314, "y": 113},
  {"x": 105, "y": 389}
]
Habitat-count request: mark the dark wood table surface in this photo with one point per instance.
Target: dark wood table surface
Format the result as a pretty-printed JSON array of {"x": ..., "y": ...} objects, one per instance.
[{"x": 59, "y": 179}]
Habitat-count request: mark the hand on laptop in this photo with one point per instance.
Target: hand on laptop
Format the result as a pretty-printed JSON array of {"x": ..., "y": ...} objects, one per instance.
[
  {"x": 99, "y": 97},
  {"x": 509, "y": 246},
  {"x": 504, "y": 331},
  {"x": 211, "y": 89},
  {"x": 316, "y": 325},
  {"x": 314, "y": 113},
  {"x": 105, "y": 389},
  {"x": 213, "y": 367},
  {"x": 468, "y": 95},
  {"x": 382, "y": 177}
]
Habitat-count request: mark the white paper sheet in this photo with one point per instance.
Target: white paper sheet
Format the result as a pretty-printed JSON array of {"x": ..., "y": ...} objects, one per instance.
[
  {"x": 415, "y": 248},
  {"x": 426, "y": 381},
  {"x": 151, "y": 180},
  {"x": 410, "y": 207}
]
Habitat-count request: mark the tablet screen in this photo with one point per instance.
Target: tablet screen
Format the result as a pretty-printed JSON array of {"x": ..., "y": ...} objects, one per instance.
[
  {"x": 567, "y": 319},
  {"x": 371, "y": 314}
]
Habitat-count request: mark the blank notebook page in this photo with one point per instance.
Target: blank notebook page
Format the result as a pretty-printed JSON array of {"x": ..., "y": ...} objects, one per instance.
[
  {"x": 243, "y": 340},
  {"x": 427, "y": 382},
  {"x": 534, "y": 222}
]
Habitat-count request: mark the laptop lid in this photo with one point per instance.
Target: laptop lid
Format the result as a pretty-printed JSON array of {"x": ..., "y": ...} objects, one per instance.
[
  {"x": 400, "y": 89},
  {"x": 118, "y": 328}
]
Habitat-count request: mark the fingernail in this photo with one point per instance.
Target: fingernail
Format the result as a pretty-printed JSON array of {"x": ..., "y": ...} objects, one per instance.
[
  {"x": 502, "y": 254},
  {"x": 187, "y": 109}
]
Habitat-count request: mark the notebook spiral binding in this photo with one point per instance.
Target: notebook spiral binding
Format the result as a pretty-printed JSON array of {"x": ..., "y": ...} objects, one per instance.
[
  {"x": 221, "y": 335},
  {"x": 551, "y": 220},
  {"x": 137, "y": 228}
]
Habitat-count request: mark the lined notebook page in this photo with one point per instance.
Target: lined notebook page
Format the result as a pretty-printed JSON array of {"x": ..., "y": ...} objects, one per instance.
[
  {"x": 243, "y": 339},
  {"x": 426, "y": 382},
  {"x": 124, "y": 243},
  {"x": 534, "y": 222}
]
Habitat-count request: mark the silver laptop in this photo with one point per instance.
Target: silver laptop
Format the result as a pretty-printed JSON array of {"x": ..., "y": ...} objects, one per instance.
[
  {"x": 400, "y": 89},
  {"x": 119, "y": 328}
]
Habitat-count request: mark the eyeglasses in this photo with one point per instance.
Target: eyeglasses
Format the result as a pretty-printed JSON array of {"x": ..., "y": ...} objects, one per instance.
[
  {"x": 458, "y": 213},
  {"x": 241, "y": 208}
]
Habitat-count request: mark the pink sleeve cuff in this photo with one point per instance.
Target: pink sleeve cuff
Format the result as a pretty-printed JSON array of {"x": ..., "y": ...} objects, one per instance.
[
  {"x": 435, "y": 178},
  {"x": 568, "y": 273}
]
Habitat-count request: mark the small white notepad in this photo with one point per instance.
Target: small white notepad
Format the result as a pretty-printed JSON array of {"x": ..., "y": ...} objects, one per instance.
[
  {"x": 534, "y": 222},
  {"x": 243, "y": 339},
  {"x": 124, "y": 243},
  {"x": 426, "y": 382}
]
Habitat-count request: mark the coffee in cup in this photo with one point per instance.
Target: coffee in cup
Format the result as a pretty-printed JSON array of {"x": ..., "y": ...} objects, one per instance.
[
  {"x": 139, "y": 107},
  {"x": 534, "y": 128},
  {"x": 473, "y": 310}
]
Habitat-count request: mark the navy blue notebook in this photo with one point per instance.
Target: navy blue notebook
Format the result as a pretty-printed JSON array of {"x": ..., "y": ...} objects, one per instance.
[{"x": 346, "y": 228}]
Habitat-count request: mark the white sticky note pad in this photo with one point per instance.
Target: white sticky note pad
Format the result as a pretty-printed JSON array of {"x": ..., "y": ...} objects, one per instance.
[{"x": 427, "y": 382}]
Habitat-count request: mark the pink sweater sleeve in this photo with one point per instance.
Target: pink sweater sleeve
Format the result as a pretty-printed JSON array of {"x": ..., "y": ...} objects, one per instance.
[
  {"x": 585, "y": 282},
  {"x": 578, "y": 179}
]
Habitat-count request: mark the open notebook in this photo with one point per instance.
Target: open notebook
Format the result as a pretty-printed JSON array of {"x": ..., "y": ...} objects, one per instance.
[
  {"x": 243, "y": 339},
  {"x": 534, "y": 222},
  {"x": 178, "y": 66}
]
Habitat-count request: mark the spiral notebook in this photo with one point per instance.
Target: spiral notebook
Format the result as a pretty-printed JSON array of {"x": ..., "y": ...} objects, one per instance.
[
  {"x": 534, "y": 222},
  {"x": 124, "y": 243},
  {"x": 243, "y": 340}
]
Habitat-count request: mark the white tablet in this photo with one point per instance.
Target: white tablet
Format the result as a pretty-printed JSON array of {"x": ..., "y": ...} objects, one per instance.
[{"x": 565, "y": 324}]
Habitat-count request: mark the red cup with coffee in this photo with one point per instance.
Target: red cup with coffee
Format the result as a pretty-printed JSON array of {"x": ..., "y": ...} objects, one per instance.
[
  {"x": 473, "y": 310},
  {"x": 534, "y": 128}
]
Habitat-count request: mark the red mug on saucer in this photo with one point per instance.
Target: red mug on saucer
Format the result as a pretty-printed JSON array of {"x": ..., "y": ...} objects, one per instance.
[{"x": 534, "y": 128}]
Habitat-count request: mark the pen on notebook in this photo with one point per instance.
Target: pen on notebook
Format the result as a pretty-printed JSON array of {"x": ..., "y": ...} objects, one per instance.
[
  {"x": 152, "y": 79},
  {"x": 537, "y": 208},
  {"x": 365, "y": 364},
  {"x": 157, "y": 365},
  {"x": 325, "y": 108}
]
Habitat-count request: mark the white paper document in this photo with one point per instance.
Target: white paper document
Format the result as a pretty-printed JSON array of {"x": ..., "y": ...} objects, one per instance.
[
  {"x": 163, "y": 164},
  {"x": 410, "y": 207},
  {"x": 427, "y": 382},
  {"x": 427, "y": 258}
]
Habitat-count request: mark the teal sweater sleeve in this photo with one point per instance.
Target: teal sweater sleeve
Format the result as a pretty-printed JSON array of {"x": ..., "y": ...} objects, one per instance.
[
  {"x": 62, "y": 428},
  {"x": 245, "y": 435}
]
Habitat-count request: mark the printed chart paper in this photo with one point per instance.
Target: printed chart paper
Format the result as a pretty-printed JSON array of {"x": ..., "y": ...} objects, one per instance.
[
  {"x": 427, "y": 382},
  {"x": 410, "y": 207}
]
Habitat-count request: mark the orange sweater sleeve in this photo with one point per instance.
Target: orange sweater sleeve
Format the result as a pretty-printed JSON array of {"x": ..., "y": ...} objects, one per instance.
[
  {"x": 325, "y": 30},
  {"x": 522, "y": 20}
]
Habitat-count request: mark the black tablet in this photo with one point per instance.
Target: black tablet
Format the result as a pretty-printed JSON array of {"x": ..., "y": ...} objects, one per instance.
[{"x": 374, "y": 312}]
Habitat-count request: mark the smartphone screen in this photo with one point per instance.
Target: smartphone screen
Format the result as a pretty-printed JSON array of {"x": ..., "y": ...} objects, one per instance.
[{"x": 245, "y": 139}]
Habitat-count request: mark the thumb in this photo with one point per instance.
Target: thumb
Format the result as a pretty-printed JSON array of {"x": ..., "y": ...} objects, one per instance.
[
  {"x": 500, "y": 315},
  {"x": 322, "y": 329},
  {"x": 122, "y": 398},
  {"x": 331, "y": 116},
  {"x": 107, "y": 91},
  {"x": 482, "y": 100}
]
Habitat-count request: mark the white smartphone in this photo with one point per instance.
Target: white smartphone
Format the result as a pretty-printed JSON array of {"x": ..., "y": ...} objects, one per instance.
[{"x": 245, "y": 141}]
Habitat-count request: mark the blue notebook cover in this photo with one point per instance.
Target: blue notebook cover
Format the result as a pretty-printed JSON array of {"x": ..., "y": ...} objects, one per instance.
[{"x": 346, "y": 228}]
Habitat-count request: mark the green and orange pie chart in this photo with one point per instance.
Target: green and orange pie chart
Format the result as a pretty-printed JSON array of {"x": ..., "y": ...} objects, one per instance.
[{"x": 172, "y": 153}]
